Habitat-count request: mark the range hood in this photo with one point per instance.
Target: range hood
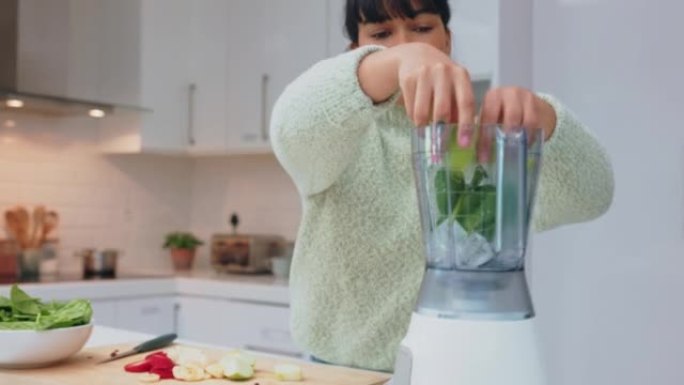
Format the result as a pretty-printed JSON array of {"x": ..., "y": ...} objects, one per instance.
[{"x": 18, "y": 90}]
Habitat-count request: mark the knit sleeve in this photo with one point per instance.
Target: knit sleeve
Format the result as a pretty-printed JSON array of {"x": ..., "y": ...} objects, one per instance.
[
  {"x": 576, "y": 182},
  {"x": 320, "y": 119}
]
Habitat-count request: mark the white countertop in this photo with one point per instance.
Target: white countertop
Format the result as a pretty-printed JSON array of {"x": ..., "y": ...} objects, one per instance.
[{"x": 253, "y": 288}]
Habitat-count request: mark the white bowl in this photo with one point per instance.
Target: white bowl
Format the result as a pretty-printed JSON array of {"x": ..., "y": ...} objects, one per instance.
[{"x": 37, "y": 348}]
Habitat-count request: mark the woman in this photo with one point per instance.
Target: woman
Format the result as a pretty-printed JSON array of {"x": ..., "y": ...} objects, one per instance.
[{"x": 342, "y": 132}]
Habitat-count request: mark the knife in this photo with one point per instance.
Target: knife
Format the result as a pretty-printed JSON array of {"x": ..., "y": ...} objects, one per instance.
[{"x": 156, "y": 343}]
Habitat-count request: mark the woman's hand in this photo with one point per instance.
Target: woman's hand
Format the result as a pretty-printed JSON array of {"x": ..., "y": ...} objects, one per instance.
[
  {"x": 433, "y": 87},
  {"x": 517, "y": 107},
  {"x": 436, "y": 89}
]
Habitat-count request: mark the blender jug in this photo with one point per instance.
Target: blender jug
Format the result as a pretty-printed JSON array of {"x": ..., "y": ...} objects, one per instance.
[{"x": 476, "y": 206}]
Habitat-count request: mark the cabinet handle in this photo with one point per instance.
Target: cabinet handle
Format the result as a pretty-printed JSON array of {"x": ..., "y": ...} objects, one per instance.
[
  {"x": 192, "y": 88},
  {"x": 149, "y": 310},
  {"x": 176, "y": 311},
  {"x": 264, "y": 107}
]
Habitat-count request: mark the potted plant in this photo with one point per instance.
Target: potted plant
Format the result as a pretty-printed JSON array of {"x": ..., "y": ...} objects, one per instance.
[{"x": 183, "y": 246}]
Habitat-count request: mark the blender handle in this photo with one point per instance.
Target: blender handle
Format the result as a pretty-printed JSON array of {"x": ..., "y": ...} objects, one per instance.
[{"x": 511, "y": 201}]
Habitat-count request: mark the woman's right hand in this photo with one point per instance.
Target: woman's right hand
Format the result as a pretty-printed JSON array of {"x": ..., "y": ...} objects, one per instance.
[{"x": 434, "y": 88}]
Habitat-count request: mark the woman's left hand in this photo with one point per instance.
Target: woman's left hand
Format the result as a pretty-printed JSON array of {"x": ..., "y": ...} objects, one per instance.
[{"x": 517, "y": 107}]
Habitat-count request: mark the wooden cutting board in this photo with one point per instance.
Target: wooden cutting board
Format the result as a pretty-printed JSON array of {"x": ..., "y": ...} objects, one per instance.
[{"x": 83, "y": 370}]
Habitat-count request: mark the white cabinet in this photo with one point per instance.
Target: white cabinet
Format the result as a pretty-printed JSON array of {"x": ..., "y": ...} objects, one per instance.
[
  {"x": 152, "y": 315},
  {"x": 248, "y": 325},
  {"x": 104, "y": 312},
  {"x": 211, "y": 71},
  {"x": 271, "y": 43},
  {"x": 165, "y": 41}
]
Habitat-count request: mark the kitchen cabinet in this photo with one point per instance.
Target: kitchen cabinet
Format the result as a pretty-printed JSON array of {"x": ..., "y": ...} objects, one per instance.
[
  {"x": 240, "y": 324},
  {"x": 153, "y": 315},
  {"x": 104, "y": 312},
  {"x": 271, "y": 43},
  {"x": 211, "y": 72}
]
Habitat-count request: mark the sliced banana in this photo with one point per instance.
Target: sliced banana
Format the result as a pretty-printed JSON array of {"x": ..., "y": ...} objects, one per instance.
[
  {"x": 148, "y": 377},
  {"x": 215, "y": 370},
  {"x": 288, "y": 372},
  {"x": 188, "y": 372}
]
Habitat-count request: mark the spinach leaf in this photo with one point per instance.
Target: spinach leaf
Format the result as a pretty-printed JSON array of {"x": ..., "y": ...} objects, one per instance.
[
  {"x": 448, "y": 186},
  {"x": 472, "y": 205},
  {"x": 23, "y": 312},
  {"x": 23, "y": 303}
]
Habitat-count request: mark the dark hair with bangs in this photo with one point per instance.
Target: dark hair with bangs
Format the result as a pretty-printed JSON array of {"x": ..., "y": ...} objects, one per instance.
[{"x": 378, "y": 11}]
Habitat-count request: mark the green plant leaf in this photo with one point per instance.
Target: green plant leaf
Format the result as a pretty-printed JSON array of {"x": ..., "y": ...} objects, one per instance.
[
  {"x": 181, "y": 240},
  {"x": 29, "y": 313},
  {"x": 23, "y": 303},
  {"x": 448, "y": 186}
]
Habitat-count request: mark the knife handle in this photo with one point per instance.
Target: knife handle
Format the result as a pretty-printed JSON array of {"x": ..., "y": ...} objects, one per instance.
[{"x": 156, "y": 343}]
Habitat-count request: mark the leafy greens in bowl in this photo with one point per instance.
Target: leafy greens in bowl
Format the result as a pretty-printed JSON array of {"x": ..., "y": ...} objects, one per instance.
[
  {"x": 23, "y": 312},
  {"x": 35, "y": 334}
]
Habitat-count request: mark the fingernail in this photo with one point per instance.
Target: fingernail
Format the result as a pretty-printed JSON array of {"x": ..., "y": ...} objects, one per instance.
[{"x": 464, "y": 137}]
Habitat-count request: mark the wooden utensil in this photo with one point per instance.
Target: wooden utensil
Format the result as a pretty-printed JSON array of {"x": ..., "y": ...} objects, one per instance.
[
  {"x": 83, "y": 370},
  {"x": 12, "y": 225},
  {"x": 50, "y": 223},
  {"x": 24, "y": 225},
  {"x": 39, "y": 214}
]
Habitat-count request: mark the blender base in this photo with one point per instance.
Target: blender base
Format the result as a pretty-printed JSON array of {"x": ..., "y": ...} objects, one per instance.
[{"x": 469, "y": 352}]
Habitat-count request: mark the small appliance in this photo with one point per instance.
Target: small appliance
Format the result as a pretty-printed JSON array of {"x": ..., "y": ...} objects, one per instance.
[
  {"x": 474, "y": 322},
  {"x": 245, "y": 253}
]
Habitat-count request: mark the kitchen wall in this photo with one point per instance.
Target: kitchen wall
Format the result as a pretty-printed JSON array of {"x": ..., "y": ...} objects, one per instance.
[
  {"x": 608, "y": 293},
  {"x": 253, "y": 186},
  {"x": 127, "y": 202},
  {"x": 131, "y": 201}
]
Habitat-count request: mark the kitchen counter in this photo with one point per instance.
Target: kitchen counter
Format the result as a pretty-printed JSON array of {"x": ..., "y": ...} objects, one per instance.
[
  {"x": 104, "y": 336},
  {"x": 82, "y": 368},
  {"x": 255, "y": 288}
]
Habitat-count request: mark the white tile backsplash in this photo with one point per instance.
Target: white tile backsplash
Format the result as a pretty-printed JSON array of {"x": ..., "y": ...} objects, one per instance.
[
  {"x": 131, "y": 201},
  {"x": 253, "y": 186}
]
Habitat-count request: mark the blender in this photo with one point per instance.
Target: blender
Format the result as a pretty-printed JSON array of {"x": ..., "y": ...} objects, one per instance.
[{"x": 473, "y": 323}]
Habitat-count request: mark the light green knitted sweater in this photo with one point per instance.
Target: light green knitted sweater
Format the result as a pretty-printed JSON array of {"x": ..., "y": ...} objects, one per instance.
[{"x": 358, "y": 260}]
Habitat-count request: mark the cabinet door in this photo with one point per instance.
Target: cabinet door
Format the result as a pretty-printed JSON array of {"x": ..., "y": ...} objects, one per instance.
[
  {"x": 263, "y": 328},
  {"x": 204, "y": 320},
  {"x": 209, "y": 68},
  {"x": 154, "y": 315},
  {"x": 165, "y": 73},
  {"x": 104, "y": 312},
  {"x": 271, "y": 42}
]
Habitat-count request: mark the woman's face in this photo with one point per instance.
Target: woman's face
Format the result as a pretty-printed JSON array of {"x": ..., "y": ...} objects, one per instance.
[{"x": 425, "y": 28}]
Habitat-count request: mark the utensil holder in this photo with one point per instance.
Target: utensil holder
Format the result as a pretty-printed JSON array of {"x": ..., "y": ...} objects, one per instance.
[{"x": 29, "y": 264}]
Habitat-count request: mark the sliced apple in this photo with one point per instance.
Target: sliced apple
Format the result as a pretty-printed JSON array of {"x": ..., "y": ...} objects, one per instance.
[
  {"x": 237, "y": 369},
  {"x": 288, "y": 372}
]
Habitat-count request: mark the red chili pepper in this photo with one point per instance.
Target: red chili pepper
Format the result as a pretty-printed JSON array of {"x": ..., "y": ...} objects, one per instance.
[
  {"x": 159, "y": 353},
  {"x": 160, "y": 362},
  {"x": 138, "y": 366},
  {"x": 163, "y": 373}
]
